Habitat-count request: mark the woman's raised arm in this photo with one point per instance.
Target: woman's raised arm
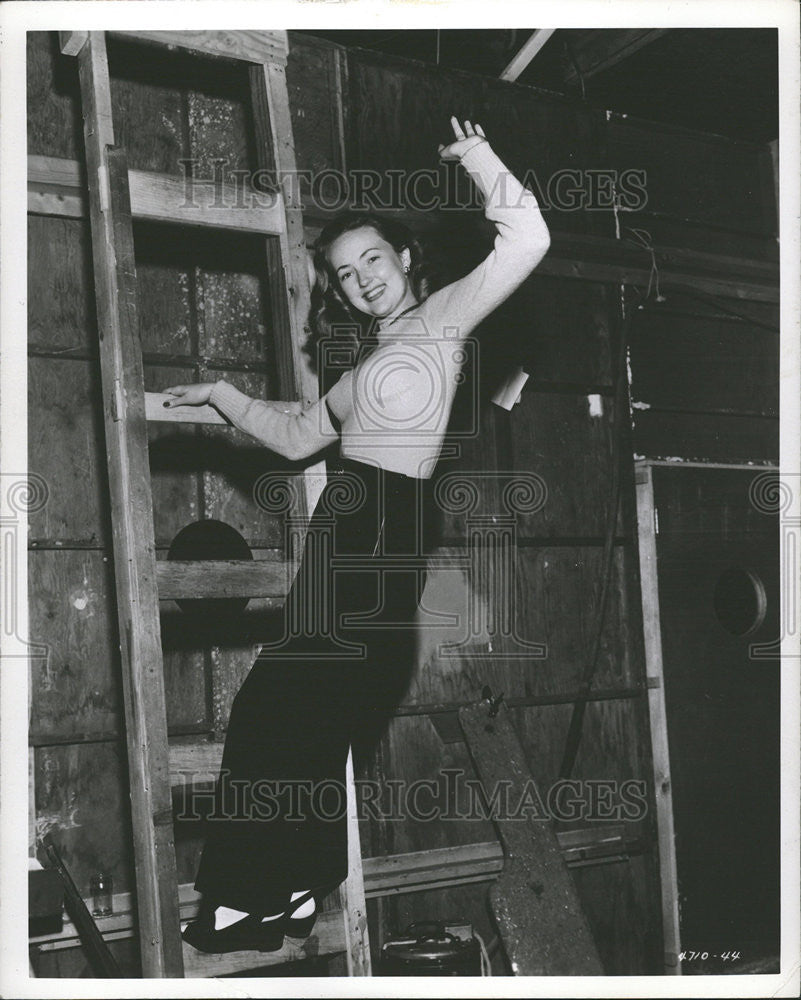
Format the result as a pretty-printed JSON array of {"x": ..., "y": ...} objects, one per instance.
[{"x": 522, "y": 236}]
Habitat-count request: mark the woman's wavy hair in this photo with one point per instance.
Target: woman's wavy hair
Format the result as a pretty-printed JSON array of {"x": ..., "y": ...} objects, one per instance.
[{"x": 333, "y": 320}]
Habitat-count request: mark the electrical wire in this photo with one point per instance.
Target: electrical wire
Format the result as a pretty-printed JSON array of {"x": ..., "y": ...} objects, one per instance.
[
  {"x": 644, "y": 240},
  {"x": 486, "y": 967},
  {"x": 572, "y": 57},
  {"x": 618, "y": 407}
]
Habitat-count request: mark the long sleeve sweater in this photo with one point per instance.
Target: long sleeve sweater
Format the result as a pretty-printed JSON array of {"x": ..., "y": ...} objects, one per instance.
[{"x": 393, "y": 408}]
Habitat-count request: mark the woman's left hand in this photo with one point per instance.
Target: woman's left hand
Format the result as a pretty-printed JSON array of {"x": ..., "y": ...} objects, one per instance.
[
  {"x": 189, "y": 395},
  {"x": 467, "y": 137}
]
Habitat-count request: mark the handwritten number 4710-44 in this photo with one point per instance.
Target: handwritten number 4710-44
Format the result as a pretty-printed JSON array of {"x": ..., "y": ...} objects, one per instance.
[{"x": 703, "y": 956}]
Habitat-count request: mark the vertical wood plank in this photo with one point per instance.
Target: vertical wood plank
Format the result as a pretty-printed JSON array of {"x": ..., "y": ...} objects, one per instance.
[
  {"x": 286, "y": 254},
  {"x": 75, "y": 689},
  {"x": 656, "y": 707},
  {"x": 53, "y": 106},
  {"x": 65, "y": 421},
  {"x": 134, "y": 550},
  {"x": 31, "y": 799},
  {"x": 60, "y": 312},
  {"x": 354, "y": 904},
  {"x": 82, "y": 800}
]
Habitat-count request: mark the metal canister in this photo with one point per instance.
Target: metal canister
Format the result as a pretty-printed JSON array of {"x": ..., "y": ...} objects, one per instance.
[{"x": 429, "y": 949}]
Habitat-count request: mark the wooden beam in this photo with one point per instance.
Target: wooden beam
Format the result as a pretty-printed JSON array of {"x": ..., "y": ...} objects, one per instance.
[
  {"x": 396, "y": 874},
  {"x": 775, "y": 163},
  {"x": 597, "y": 258},
  {"x": 132, "y": 530},
  {"x": 682, "y": 463},
  {"x": 71, "y": 42},
  {"x": 535, "y": 903},
  {"x": 58, "y": 187},
  {"x": 275, "y": 150},
  {"x": 287, "y": 261},
  {"x": 657, "y": 711},
  {"x": 595, "y": 51},
  {"x": 222, "y": 578},
  {"x": 625, "y": 274},
  {"x": 56, "y": 171},
  {"x": 526, "y": 53},
  {"x": 165, "y": 198},
  {"x": 240, "y": 46},
  {"x": 53, "y": 190},
  {"x": 357, "y": 938}
]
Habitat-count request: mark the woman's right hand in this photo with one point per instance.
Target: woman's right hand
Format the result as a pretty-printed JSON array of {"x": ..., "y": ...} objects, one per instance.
[
  {"x": 189, "y": 395},
  {"x": 466, "y": 138}
]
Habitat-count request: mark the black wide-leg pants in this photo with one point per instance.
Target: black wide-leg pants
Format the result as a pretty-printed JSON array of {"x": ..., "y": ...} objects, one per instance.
[{"x": 331, "y": 681}]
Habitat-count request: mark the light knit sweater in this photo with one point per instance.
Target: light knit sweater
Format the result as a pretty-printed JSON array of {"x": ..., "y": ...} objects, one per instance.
[{"x": 393, "y": 407}]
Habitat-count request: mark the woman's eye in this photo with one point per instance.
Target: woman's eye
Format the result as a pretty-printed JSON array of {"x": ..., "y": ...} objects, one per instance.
[
  {"x": 344, "y": 275},
  {"x": 373, "y": 258}
]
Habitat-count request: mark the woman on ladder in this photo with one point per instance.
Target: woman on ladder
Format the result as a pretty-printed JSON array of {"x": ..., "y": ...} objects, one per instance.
[{"x": 277, "y": 840}]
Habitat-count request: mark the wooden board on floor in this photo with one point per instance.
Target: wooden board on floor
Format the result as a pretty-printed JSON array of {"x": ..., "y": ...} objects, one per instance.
[{"x": 543, "y": 928}]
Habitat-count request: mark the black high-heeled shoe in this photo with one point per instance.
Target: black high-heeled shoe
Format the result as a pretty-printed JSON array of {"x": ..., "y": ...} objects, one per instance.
[
  {"x": 299, "y": 927},
  {"x": 247, "y": 934}
]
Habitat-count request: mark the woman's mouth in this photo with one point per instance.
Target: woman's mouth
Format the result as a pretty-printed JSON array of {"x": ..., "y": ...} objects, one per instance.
[{"x": 374, "y": 293}]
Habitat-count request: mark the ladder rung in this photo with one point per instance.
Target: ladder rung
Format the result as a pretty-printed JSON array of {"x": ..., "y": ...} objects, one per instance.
[
  {"x": 166, "y": 198},
  {"x": 156, "y": 412},
  {"x": 162, "y": 198},
  {"x": 327, "y": 938},
  {"x": 219, "y": 578},
  {"x": 194, "y": 762}
]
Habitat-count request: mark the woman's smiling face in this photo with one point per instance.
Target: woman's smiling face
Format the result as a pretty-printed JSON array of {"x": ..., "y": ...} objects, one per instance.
[{"x": 371, "y": 275}]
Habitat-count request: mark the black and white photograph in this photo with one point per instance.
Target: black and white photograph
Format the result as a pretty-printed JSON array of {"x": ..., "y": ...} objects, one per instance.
[{"x": 400, "y": 499}]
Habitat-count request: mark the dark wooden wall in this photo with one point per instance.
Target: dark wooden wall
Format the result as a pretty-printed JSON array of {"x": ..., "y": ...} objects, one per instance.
[
  {"x": 204, "y": 308},
  {"x": 704, "y": 372}
]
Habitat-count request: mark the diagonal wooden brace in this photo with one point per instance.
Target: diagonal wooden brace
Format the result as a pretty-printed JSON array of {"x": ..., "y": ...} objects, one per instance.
[{"x": 534, "y": 902}]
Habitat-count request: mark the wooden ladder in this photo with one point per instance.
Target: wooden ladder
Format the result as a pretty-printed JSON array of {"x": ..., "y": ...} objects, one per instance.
[{"x": 116, "y": 197}]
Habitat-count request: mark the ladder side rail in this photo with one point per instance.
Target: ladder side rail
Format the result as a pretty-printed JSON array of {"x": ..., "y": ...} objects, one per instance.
[
  {"x": 275, "y": 152},
  {"x": 286, "y": 257},
  {"x": 354, "y": 904},
  {"x": 132, "y": 522}
]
